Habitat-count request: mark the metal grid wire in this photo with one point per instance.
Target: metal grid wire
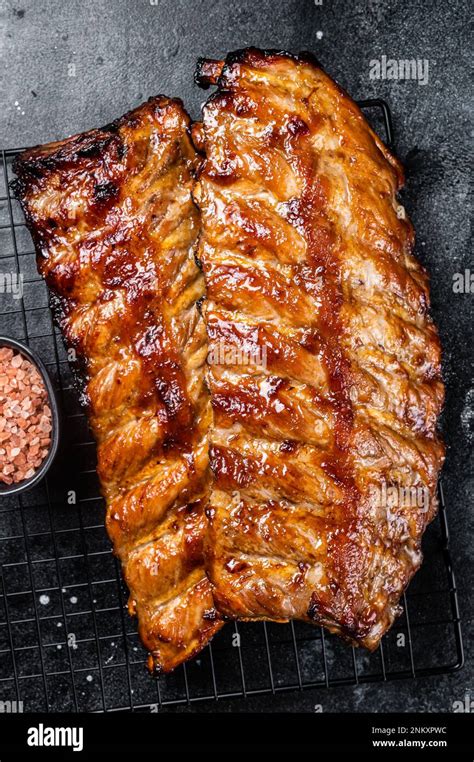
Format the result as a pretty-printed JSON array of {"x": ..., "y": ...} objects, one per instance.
[{"x": 66, "y": 640}]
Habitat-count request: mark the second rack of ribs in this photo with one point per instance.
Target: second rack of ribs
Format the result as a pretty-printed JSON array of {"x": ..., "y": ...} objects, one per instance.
[
  {"x": 308, "y": 262},
  {"x": 114, "y": 226}
]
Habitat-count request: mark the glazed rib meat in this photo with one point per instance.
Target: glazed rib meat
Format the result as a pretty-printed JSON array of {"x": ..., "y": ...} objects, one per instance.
[
  {"x": 114, "y": 227},
  {"x": 324, "y": 365}
]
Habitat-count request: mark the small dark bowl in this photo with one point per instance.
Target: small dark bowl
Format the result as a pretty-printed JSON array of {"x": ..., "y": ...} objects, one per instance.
[{"x": 15, "y": 489}]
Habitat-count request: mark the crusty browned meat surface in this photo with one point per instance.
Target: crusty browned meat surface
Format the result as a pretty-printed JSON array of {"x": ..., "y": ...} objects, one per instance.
[
  {"x": 324, "y": 364},
  {"x": 114, "y": 226}
]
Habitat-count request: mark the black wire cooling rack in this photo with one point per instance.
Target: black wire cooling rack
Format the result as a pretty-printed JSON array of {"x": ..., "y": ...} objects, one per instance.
[{"x": 66, "y": 640}]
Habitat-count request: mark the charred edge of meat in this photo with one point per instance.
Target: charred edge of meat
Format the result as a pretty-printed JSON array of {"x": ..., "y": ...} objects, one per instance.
[
  {"x": 209, "y": 70},
  {"x": 33, "y": 163}
]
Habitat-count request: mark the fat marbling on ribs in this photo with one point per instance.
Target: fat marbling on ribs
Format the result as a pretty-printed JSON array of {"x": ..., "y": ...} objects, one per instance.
[
  {"x": 325, "y": 365},
  {"x": 114, "y": 227}
]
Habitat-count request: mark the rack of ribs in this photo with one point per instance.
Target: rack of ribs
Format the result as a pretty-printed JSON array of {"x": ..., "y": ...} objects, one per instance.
[
  {"x": 324, "y": 363},
  {"x": 114, "y": 226}
]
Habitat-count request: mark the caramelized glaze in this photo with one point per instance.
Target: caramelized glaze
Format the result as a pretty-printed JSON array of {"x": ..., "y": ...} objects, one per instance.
[
  {"x": 307, "y": 254},
  {"x": 114, "y": 226}
]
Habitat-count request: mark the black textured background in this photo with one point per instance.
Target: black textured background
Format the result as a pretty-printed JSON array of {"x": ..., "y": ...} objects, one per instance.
[{"x": 127, "y": 50}]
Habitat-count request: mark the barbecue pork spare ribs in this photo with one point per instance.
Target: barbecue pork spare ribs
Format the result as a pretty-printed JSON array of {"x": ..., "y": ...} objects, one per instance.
[
  {"x": 114, "y": 227},
  {"x": 296, "y": 481},
  {"x": 324, "y": 365}
]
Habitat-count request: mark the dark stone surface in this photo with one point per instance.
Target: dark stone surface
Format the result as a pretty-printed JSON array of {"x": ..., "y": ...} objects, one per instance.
[{"x": 125, "y": 51}]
